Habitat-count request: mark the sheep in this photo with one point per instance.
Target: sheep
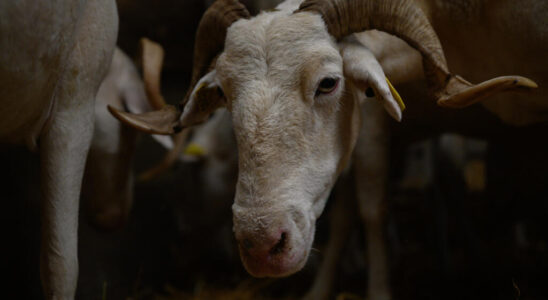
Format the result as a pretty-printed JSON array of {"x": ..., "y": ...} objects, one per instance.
[
  {"x": 54, "y": 57},
  {"x": 107, "y": 185},
  {"x": 108, "y": 180},
  {"x": 294, "y": 83}
]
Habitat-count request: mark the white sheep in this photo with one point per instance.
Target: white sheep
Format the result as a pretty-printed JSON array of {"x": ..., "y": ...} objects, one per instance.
[{"x": 53, "y": 59}]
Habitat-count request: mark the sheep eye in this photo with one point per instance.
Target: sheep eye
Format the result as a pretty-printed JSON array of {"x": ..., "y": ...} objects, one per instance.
[{"x": 327, "y": 85}]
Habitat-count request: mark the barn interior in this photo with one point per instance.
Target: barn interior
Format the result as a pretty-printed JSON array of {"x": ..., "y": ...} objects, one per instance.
[{"x": 465, "y": 216}]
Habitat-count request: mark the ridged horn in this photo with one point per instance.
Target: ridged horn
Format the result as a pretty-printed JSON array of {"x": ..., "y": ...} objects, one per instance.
[
  {"x": 211, "y": 34},
  {"x": 404, "y": 19}
]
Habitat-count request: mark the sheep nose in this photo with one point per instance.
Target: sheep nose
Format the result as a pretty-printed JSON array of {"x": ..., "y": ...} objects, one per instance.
[
  {"x": 263, "y": 247},
  {"x": 279, "y": 247}
]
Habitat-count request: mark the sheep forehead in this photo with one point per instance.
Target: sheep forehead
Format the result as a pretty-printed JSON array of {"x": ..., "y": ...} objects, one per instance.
[
  {"x": 274, "y": 43},
  {"x": 277, "y": 24}
]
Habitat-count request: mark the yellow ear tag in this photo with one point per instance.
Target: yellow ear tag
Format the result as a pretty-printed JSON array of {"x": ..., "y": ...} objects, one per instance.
[
  {"x": 194, "y": 150},
  {"x": 396, "y": 95}
]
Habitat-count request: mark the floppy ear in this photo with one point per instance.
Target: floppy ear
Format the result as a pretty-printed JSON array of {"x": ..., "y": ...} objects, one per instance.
[
  {"x": 206, "y": 97},
  {"x": 361, "y": 66}
]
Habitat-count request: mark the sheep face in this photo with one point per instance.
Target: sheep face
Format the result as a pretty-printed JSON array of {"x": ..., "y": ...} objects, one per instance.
[{"x": 295, "y": 122}]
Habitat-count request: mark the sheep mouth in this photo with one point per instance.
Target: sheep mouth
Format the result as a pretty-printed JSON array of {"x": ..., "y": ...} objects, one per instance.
[{"x": 278, "y": 263}]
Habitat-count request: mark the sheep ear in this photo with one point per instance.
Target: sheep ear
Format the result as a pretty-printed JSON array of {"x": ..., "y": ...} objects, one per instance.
[
  {"x": 361, "y": 66},
  {"x": 206, "y": 97},
  {"x": 163, "y": 121}
]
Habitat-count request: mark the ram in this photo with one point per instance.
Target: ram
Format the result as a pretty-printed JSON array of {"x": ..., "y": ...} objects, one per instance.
[{"x": 293, "y": 81}]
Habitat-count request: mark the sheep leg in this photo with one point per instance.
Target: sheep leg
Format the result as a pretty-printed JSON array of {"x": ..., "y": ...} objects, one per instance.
[
  {"x": 371, "y": 171},
  {"x": 63, "y": 150}
]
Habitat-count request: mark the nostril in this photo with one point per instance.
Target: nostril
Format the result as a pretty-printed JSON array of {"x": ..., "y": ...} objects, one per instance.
[
  {"x": 279, "y": 247},
  {"x": 247, "y": 244}
]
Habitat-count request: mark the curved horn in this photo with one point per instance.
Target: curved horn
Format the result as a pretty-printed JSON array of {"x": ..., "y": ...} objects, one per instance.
[
  {"x": 210, "y": 38},
  {"x": 406, "y": 20},
  {"x": 152, "y": 58}
]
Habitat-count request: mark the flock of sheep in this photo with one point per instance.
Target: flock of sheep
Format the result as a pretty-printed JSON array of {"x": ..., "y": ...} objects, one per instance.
[{"x": 281, "y": 104}]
